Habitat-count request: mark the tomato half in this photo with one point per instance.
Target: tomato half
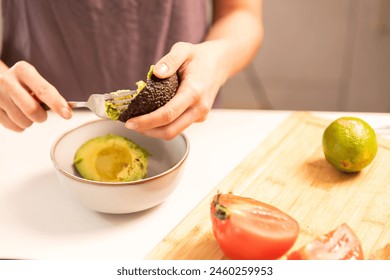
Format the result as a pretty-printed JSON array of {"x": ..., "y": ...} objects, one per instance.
[
  {"x": 339, "y": 244},
  {"x": 381, "y": 254},
  {"x": 249, "y": 229}
]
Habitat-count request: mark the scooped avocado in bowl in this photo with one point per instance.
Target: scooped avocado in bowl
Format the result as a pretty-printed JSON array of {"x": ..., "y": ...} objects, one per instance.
[
  {"x": 149, "y": 96},
  {"x": 111, "y": 158},
  {"x": 100, "y": 151}
]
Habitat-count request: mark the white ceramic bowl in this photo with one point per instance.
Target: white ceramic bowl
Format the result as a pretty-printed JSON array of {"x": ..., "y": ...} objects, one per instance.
[{"x": 166, "y": 165}]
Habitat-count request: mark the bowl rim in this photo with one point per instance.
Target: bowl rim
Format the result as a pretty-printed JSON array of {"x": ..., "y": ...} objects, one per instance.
[{"x": 115, "y": 184}]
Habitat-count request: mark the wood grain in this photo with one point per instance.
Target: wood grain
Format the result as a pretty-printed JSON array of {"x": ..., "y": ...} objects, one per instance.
[{"x": 288, "y": 170}]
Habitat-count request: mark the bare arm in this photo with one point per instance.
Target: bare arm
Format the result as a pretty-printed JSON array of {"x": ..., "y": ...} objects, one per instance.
[
  {"x": 238, "y": 26},
  {"x": 233, "y": 40}
]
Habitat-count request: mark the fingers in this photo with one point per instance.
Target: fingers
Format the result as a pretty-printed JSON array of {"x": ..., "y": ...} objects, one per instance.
[
  {"x": 11, "y": 115},
  {"x": 171, "y": 62},
  {"x": 22, "y": 89},
  {"x": 21, "y": 102},
  {"x": 162, "y": 116},
  {"x": 174, "y": 128},
  {"x": 8, "y": 123},
  {"x": 188, "y": 95},
  {"x": 186, "y": 107},
  {"x": 193, "y": 100},
  {"x": 42, "y": 89}
]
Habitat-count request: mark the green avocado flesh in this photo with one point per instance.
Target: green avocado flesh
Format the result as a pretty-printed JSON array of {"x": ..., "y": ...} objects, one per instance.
[
  {"x": 111, "y": 158},
  {"x": 112, "y": 110},
  {"x": 150, "y": 95}
]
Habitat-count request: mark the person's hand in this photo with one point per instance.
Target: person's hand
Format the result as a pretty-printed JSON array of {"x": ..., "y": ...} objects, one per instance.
[
  {"x": 22, "y": 89},
  {"x": 201, "y": 72}
]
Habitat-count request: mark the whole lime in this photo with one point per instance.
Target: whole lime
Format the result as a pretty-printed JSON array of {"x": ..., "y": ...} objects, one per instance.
[{"x": 349, "y": 144}]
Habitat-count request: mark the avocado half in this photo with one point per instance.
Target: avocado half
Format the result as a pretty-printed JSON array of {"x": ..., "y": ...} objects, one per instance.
[
  {"x": 151, "y": 95},
  {"x": 111, "y": 158}
]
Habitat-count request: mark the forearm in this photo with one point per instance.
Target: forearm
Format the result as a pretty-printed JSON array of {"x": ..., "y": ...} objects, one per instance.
[{"x": 237, "y": 32}]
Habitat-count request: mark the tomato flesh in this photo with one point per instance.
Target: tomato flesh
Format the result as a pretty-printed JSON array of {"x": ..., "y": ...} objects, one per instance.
[
  {"x": 339, "y": 244},
  {"x": 381, "y": 254},
  {"x": 249, "y": 229}
]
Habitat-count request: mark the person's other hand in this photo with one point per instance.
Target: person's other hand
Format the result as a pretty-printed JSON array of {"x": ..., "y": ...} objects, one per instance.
[
  {"x": 201, "y": 72},
  {"x": 22, "y": 89}
]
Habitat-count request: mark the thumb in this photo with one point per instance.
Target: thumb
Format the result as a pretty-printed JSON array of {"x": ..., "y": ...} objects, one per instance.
[{"x": 171, "y": 62}]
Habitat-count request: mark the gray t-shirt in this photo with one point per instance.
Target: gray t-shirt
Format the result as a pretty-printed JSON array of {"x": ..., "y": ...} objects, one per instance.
[{"x": 96, "y": 46}]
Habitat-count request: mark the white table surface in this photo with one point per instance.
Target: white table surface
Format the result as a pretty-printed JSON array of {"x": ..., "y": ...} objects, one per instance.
[{"x": 40, "y": 220}]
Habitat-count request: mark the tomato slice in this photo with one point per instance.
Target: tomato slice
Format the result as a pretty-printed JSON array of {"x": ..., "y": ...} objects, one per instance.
[
  {"x": 381, "y": 254},
  {"x": 249, "y": 229},
  {"x": 339, "y": 244}
]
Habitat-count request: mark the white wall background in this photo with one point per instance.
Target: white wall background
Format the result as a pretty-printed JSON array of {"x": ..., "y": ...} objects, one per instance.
[{"x": 330, "y": 55}]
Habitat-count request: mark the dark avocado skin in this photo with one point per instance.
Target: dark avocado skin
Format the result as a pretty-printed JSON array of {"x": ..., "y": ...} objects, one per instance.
[{"x": 154, "y": 95}]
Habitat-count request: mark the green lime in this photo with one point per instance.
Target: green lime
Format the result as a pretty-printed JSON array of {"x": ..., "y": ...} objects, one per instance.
[{"x": 349, "y": 144}]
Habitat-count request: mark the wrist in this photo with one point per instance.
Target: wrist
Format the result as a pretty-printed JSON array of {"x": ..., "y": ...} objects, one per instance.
[{"x": 219, "y": 54}]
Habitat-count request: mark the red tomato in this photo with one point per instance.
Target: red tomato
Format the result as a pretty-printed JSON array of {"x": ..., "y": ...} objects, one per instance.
[
  {"x": 381, "y": 254},
  {"x": 248, "y": 229},
  {"x": 339, "y": 244}
]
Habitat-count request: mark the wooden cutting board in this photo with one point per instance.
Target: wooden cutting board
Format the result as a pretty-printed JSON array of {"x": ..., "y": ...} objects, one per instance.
[{"x": 288, "y": 170}]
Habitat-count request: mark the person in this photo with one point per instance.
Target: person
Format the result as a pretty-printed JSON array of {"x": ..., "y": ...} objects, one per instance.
[{"x": 55, "y": 51}]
